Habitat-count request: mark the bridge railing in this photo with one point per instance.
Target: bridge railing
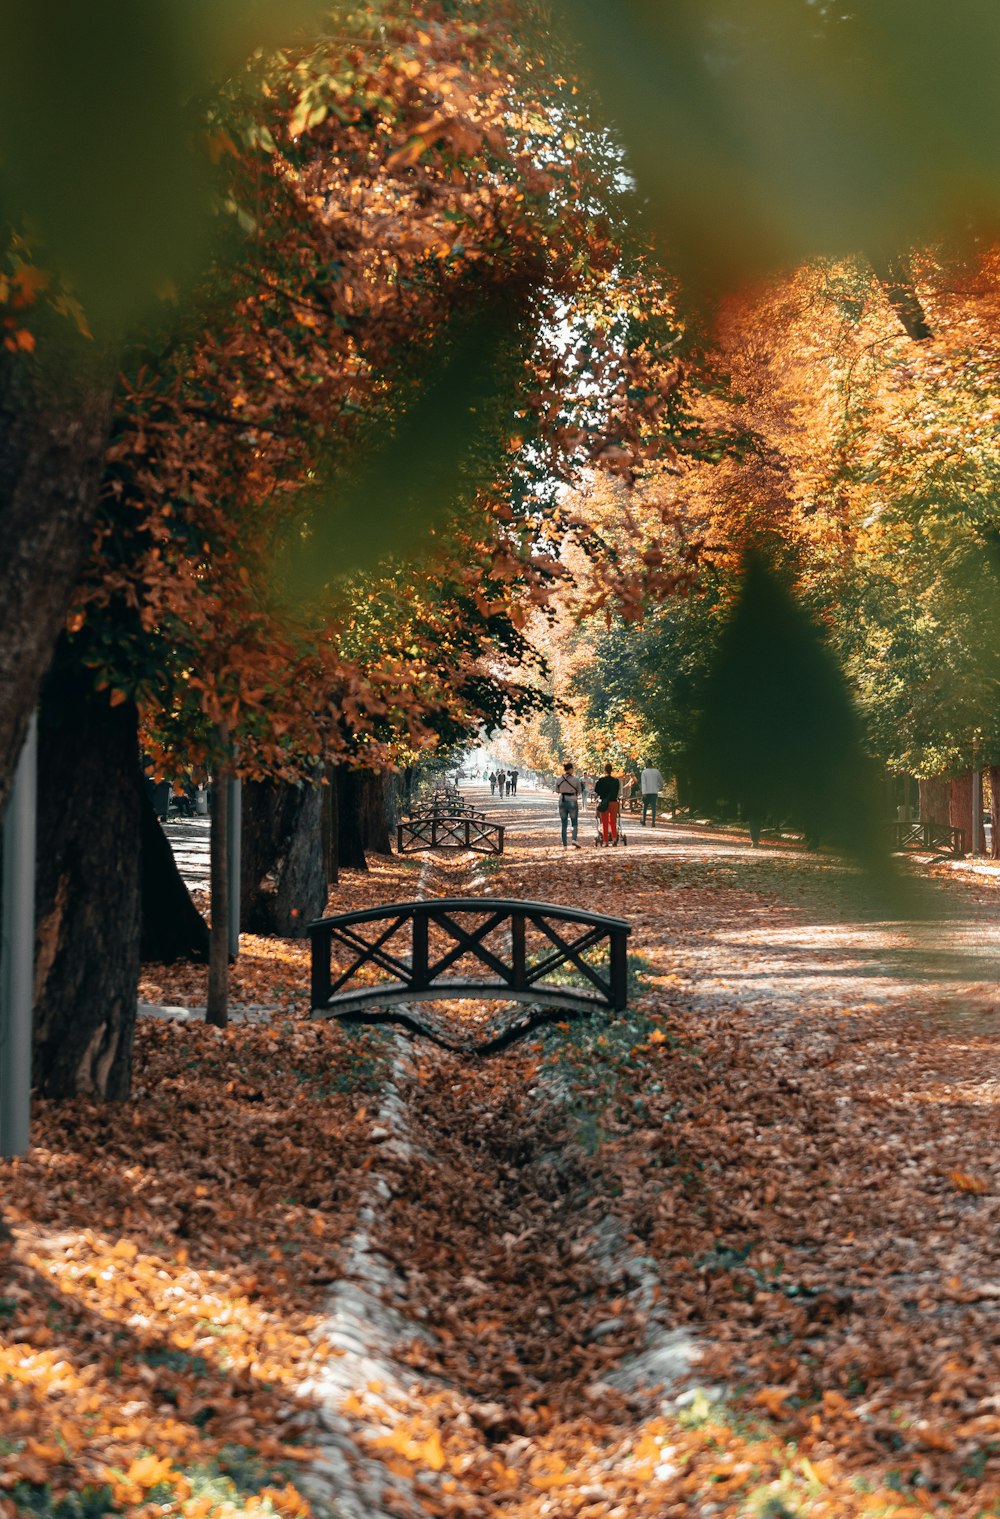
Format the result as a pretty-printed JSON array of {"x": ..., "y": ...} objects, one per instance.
[
  {"x": 438, "y": 809},
  {"x": 469, "y": 947},
  {"x": 435, "y": 830},
  {"x": 928, "y": 838}
]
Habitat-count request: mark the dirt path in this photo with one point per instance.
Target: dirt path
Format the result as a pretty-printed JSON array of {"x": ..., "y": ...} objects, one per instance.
[
  {"x": 786, "y": 1151},
  {"x": 349, "y": 1263}
]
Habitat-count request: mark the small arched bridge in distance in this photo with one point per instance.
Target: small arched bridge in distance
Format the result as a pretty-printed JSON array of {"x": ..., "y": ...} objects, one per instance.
[
  {"x": 557, "y": 960},
  {"x": 437, "y": 830}
]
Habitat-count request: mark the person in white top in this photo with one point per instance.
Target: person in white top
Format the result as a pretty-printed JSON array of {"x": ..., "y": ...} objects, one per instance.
[
  {"x": 568, "y": 790},
  {"x": 651, "y": 784}
]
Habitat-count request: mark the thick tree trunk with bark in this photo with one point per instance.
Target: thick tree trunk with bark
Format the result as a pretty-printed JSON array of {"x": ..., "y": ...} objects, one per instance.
[
  {"x": 330, "y": 828},
  {"x": 375, "y": 811},
  {"x": 268, "y": 819},
  {"x": 283, "y": 870},
  {"x": 960, "y": 812},
  {"x": 88, "y": 890},
  {"x": 350, "y": 834},
  {"x": 55, "y": 416},
  {"x": 934, "y": 796},
  {"x": 300, "y": 893},
  {"x": 172, "y": 927}
]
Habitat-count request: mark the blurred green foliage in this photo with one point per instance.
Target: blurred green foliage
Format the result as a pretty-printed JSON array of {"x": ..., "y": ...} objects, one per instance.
[
  {"x": 99, "y": 111},
  {"x": 764, "y": 131},
  {"x": 778, "y": 733}
]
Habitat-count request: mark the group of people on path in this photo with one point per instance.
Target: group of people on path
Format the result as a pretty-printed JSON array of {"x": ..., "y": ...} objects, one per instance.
[
  {"x": 503, "y": 781},
  {"x": 610, "y": 790}
]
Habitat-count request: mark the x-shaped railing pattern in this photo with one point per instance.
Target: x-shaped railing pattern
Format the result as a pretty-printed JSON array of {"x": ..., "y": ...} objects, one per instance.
[
  {"x": 940, "y": 838},
  {"x": 443, "y": 932},
  {"x": 449, "y": 831}
]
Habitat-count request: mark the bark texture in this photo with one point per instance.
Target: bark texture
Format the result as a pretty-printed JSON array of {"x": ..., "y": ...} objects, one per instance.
[
  {"x": 55, "y": 416},
  {"x": 328, "y": 806},
  {"x": 960, "y": 812},
  {"x": 350, "y": 819},
  {"x": 934, "y": 795},
  {"x": 172, "y": 927},
  {"x": 88, "y": 890},
  {"x": 284, "y": 865},
  {"x": 376, "y": 802}
]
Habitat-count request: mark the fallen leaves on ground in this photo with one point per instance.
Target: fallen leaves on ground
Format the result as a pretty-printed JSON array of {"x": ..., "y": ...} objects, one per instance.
[{"x": 787, "y": 1149}]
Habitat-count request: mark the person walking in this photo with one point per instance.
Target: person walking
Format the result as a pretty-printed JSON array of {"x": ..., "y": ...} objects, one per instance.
[
  {"x": 502, "y": 782},
  {"x": 493, "y": 783},
  {"x": 568, "y": 790},
  {"x": 513, "y": 781},
  {"x": 608, "y": 791},
  {"x": 651, "y": 783}
]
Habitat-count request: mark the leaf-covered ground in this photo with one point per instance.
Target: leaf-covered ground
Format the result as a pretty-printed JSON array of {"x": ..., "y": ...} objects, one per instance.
[{"x": 787, "y": 1148}]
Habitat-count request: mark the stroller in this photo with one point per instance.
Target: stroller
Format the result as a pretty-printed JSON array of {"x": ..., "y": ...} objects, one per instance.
[{"x": 599, "y": 836}]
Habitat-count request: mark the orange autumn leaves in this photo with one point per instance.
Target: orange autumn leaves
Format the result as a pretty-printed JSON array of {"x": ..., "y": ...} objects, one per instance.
[{"x": 358, "y": 258}]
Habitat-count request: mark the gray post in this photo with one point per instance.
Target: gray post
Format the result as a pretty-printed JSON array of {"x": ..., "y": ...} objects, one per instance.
[
  {"x": 234, "y": 859},
  {"x": 17, "y": 952}
]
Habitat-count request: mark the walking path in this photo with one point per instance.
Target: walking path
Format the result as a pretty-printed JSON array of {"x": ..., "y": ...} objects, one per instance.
[
  {"x": 779, "y": 1174},
  {"x": 734, "y": 1253}
]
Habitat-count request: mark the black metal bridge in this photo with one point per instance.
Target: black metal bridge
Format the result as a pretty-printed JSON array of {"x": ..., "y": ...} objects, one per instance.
[
  {"x": 435, "y": 830},
  {"x": 555, "y": 958}
]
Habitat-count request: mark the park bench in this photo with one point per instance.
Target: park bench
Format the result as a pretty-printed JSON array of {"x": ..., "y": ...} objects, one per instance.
[
  {"x": 928, "y": 838},
  {"x": 437, "y": 830},
  {"x": 560, "y": 960}
]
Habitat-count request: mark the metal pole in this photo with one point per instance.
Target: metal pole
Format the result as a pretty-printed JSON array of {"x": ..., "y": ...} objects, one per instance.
[
  {"x": 977, "y": 802},
  {"x": 234, "y": 859},
  {"x": 17, "y": 951}
]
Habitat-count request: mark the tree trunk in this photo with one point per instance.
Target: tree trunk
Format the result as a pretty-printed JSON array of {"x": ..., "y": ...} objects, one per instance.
[
  {"x": 934, "y": 796},
  {"x": 350, "y": 838},
  {"x": 300, "y": 888},
  {"x": 268, "y": 819},
  {"x": 217, "y": 1011},
  {"x": 284, "y": 871},
  {"x": 172, "y": 927},
  {"x": 331, "y": 828},
  {"x": 960, "y": 811},
  {"x": 994, "y": 775},
  {"x": 375, "y": 811},
  {"x": 55, "y": 417},
  {"x": 88, "y": 890}
]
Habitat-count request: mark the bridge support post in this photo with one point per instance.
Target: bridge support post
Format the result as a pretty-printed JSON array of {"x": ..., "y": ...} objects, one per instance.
[
  {"x": 618, "y": 969},
  {"x": 421, "y": 951},
  {"x": 320, "y": 968},
  {"x": 519, "y": 965}
]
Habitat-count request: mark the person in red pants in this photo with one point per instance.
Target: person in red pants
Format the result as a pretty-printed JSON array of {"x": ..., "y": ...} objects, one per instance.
[{"x": 608, "y": 791}]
